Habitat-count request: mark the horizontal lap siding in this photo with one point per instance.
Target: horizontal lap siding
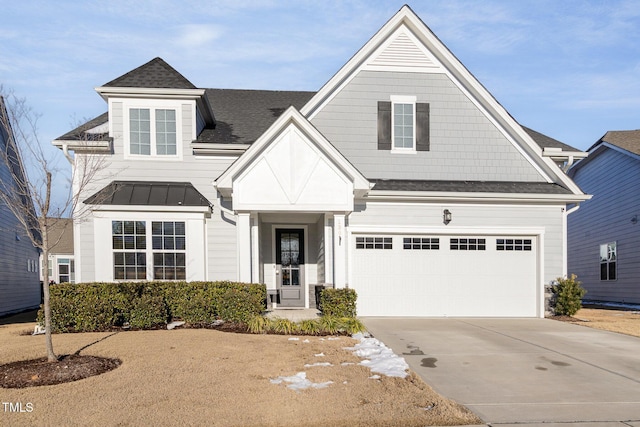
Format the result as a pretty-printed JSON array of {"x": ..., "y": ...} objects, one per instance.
[
  {"x": 612, "y": 178},
  {"x": 464, "y": 144}
]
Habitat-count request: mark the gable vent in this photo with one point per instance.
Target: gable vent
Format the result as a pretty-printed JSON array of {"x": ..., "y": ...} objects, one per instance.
[{"x": 402, "y": 52}]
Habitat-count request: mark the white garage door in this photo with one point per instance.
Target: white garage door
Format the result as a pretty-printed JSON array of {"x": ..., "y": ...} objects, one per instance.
[{"x": 467, "y": 276}]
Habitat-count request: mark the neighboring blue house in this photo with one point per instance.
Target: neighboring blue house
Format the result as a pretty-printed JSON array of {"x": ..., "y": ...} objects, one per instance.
[
  {"x": 604, "y": 234},
  {"x": 19, "y": 278}
]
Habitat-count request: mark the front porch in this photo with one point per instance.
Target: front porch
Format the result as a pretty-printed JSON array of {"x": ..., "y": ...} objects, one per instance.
[{"x": 293, "y": 254}]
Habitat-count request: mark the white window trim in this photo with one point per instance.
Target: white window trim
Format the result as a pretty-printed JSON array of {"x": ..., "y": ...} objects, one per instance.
[
  {"x": 402, "y": 99},
  {"x": 195, "y": 243},
  {"x": 152, "y": 105}
]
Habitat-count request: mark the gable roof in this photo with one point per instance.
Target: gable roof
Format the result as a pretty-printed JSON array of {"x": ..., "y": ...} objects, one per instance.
[
  {"x": 623, "y": 141},
  {"x": 154, "y": 74},
  {"x": 628, "y": 140},
  {"x": 291, "y": 117},
  {"x": 412, "y": 33},
  {"x": 545, "y": 141}
]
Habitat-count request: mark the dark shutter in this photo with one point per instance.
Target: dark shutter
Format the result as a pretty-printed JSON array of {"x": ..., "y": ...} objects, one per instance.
[
  {"x": 384, "y": 125},
  {"x": 422, "y": 125}
]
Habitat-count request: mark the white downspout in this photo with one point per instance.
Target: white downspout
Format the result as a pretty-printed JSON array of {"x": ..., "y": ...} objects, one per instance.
[{"x": 565, "y": 237}]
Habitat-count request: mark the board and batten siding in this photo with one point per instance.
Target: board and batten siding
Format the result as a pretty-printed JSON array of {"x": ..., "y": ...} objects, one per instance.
[
  {"x": 471, "y": 220},
  {"x": 612, "y": 178},
  {"x": 464, "y": 144}
]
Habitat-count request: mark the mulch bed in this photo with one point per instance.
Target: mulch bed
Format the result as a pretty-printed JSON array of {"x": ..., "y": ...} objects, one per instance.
[{"x": 39, "y": 372}]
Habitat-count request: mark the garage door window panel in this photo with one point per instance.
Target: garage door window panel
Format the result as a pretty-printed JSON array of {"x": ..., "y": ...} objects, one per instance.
[
  {"x": 467, "y": 244},
  {"x": 371, "y": 242},
  {"x": 421, "y": 243},
  {"x": 507, "y": 244}
]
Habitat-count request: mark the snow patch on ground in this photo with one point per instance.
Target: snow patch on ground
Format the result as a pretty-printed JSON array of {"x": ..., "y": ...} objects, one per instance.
[
  {"x": 379, "y": 357},
  {"x": 299, "y": 382}
]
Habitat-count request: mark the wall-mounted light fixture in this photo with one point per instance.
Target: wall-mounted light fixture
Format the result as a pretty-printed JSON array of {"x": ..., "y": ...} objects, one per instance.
[
  {"x": 634, "y": 220},
  {"x": 446, "y": 216}
]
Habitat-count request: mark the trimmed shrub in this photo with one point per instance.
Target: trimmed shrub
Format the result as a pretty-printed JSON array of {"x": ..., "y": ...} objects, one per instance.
[
  {"x": 338, "y": 302},
  {"x": 148, "y": 311},
  {"x": 568, "y": 295},
  {"x": 239, "y": 302},
  {"x": 86, "y": 307}
]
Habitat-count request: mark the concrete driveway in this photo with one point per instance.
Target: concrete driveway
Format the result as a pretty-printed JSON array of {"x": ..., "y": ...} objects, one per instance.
[{"x": 524, "y": 371}]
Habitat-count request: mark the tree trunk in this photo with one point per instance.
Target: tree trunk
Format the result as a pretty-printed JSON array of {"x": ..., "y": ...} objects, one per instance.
[{"x": 51, "y": 356}]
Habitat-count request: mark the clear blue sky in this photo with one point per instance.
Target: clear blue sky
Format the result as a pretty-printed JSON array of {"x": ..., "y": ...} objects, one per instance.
[{"x": 567, "y": 68}]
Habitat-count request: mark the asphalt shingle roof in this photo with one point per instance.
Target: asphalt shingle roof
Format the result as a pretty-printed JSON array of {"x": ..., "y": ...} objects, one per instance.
[
  {"x": 469, "y": 186},
  {"x": 154, "y": 74},
  {"x": 546, "y": 141},
  {"x": 243, "y": 115},
  {"x": 626, "y": 139}
]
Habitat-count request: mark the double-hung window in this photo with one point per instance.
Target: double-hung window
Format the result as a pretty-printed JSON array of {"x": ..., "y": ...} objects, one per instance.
[
  {"x": 608, "y": 261},
  {"x": 403, "y": 125},
  {"x": 169, "y": 250},
  {"x": 153, "y": 132}
]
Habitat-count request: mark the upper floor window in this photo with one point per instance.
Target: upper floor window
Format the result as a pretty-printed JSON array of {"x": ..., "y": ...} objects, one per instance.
[
  {"x": 608, "y": 261},
  {"x": 403, "y": 125},
  {"x": 152, "y": 132}
]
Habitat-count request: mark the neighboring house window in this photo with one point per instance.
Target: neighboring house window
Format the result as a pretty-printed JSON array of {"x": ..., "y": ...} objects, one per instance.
[
  {"x": 152, "y": 132},
  {"x": 608, "y": 261},
  {"x": 129, "y": 250},
  {"x": 66, "y": 270},
  {"x": 468, "y": 244},
  {"x": 403, "y": 125},
  {"x": 169, "y": 250},
  {"x": 374, "y": 243},
  {"x": 428, "y": 243},
  {"x": 513, "y": 244}
]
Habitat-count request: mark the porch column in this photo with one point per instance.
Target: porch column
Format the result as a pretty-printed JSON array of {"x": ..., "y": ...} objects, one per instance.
[
  {"x": 339, "y": 251},
  {"x": 243, "y": 227},
  {"x": 328, "y": 248},
  {"x": 255, "y": 249}
]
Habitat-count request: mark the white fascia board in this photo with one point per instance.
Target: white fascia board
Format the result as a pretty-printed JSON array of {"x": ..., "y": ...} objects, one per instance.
[
  {"x": 475, "y": 197},
  {"x": 143, "y": 209},
  {"x": 140, "y": 92},
  {"x": 103, "y": 146}
]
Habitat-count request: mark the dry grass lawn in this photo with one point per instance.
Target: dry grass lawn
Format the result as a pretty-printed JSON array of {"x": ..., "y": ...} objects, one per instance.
[
  {"x": 624, "y": 322},
  {"x": 207, "y": 377}
]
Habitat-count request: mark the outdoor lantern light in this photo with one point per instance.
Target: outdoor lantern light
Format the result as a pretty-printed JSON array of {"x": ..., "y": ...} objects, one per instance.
[{"x": 446, "y": 216}]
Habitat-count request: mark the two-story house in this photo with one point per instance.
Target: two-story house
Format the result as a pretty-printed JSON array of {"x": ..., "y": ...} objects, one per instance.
[
  {"x": 402, "y": 178},
  {"x": 19, "y": 279}
]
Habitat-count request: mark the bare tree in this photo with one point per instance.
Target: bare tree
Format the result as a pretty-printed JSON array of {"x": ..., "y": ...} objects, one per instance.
[{"x": 29, "y": 195}]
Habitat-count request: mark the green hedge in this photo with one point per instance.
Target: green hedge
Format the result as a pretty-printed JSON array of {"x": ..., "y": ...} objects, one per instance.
[
  {"x": 338, "y": 302},
  {"x": 86, "y": 307}
]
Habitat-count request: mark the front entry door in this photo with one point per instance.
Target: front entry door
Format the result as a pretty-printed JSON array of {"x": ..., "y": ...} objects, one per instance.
[{"x": 290, "y": 266}]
